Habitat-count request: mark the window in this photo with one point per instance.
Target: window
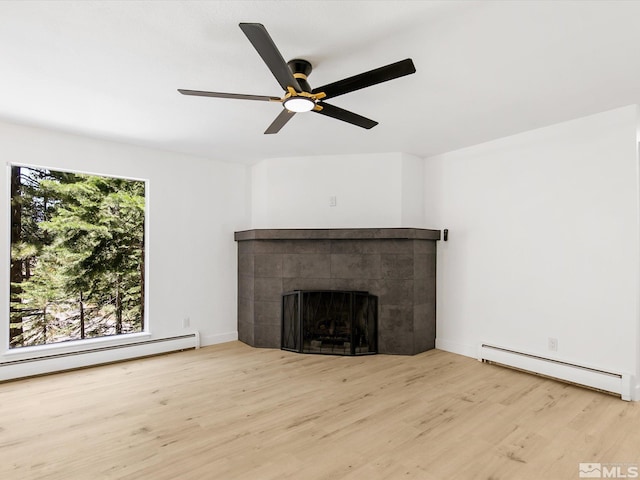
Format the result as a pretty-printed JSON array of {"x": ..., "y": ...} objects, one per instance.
[{"x": 77, "y": 256}]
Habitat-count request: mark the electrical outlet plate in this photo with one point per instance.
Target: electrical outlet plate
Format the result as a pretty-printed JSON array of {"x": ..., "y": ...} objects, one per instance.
[
  {"x": 553, "y": 344},
  {"x": 186, "y": 322},
  {"x": 333, "y": 201}
]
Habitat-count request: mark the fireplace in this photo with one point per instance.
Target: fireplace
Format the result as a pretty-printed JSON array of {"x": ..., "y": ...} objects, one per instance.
[
  {"x": 330, "y": 322},
  {"x": 397, "y": 265}
]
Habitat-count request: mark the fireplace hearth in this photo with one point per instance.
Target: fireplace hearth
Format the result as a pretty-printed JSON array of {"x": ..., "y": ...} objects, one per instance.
[{"x": 330, "y": 322}]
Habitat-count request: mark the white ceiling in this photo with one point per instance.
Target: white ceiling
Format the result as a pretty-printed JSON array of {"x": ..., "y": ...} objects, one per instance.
[{"x": 485, "y": 70}]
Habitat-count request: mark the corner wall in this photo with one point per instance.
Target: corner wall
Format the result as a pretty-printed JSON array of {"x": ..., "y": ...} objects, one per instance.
[
  {"x": 543, "y": 242},
  {"x": 371, "y": 190}
]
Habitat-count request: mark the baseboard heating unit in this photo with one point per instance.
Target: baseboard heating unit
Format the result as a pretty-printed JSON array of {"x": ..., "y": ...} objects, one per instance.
[
  {"x": 613, "y": 382},
  {"x": 69, "y": 360}
]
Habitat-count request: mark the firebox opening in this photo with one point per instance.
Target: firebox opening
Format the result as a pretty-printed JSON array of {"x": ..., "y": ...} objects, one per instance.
[{"x": 333, "y": 322}]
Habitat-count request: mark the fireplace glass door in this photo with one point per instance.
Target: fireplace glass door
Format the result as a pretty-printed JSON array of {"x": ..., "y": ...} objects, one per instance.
[{"x": 330, "y": 322}]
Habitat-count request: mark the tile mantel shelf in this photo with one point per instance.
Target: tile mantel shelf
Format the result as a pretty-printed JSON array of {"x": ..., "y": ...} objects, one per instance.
[
  {"x": 338, "y": 234},
  {"x": 398, "y": 265}
]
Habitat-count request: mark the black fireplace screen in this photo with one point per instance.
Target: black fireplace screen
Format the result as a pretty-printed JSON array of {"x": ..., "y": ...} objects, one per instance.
[{"x": 330, "y": 322}]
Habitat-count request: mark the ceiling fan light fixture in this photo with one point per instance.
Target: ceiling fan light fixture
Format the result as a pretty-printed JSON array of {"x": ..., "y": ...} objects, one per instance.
[
  {"x": 298, "y": 95},
  {"x": 299, "y": 104}
]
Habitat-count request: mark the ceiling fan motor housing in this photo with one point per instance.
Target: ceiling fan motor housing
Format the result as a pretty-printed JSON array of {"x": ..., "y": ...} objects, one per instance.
[{"x": 301, "y": 69}]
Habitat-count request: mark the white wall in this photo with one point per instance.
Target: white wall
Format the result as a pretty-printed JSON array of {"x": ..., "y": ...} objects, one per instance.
[
  {"x": 374, "y": 190},
  {"x": 544, "y": 237},
  {"x": 195, "y": 205},
  {"x": 413, "y": 182},
  {"x": 543, "y": 242}
]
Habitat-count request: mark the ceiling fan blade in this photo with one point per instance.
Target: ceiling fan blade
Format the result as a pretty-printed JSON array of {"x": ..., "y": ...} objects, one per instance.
[
  {"x": 239, "y": 96},
  {"x": 280, "y": 121},
  {"x": 345, "y": 116},
  {"x": 366, "y": 79},
  {"x": 262, "y": 42}
]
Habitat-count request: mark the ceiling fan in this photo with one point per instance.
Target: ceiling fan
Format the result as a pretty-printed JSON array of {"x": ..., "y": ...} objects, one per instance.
[{"x": 299, "y": 96}]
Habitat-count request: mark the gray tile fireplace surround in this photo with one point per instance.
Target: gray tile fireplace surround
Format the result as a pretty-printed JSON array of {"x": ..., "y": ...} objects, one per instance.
[{"x": 396, "y": 264}]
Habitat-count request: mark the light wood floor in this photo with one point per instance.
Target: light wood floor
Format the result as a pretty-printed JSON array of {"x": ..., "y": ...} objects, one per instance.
[{"x": 234, "y": 412}]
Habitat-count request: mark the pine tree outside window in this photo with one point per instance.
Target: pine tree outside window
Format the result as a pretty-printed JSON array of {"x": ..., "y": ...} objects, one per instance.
[{"x": 77, "y": 256}]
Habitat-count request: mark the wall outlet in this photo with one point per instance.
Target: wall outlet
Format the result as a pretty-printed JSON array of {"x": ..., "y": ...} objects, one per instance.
[
  {"x": 186, "y": 322},
  {"x": 553, "y": 344},
  {"x": 333, "y": 201}
]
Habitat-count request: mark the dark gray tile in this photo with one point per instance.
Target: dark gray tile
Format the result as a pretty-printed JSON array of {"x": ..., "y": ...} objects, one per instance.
[
  {"x": 354, "y": 265},
  {"x": 268, "y": 289},
  {"x": 424, "y": 246},
  {"x": 296, "y": 283},
  {"x": 267, "y": 336},
  {"x": 396, "y": 292},
  {"x": 372, "y": 246},
  {"x": 245, "y": 263},
  {"x": 359, "y": 284},
  {"x": 396, "y": 266},
  {"x": 246, "y": 286},
  {"x": 268, "y": 265},
  {"x": 424, "y": 327},
  {"x": 268, "y": 313},
  {"x": 307, "y": 246},
  {"x": 245, "y": 333},
  {"x": 397, "y": 246},
  {"x": 424, "y": 265},
  {"x": 245, "y": 310},
  {"x": 355, "y": 246},
  {"x": 424, "y": 290},
  {"x": 395, "y": 330},
  {"x": 306, "y": 265},
  {"x": 245, "y": 247},
  {"x": 269, "y": 246},
  {"x": 395, "y": 317},
  {"x": 399, "y": 345}
]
